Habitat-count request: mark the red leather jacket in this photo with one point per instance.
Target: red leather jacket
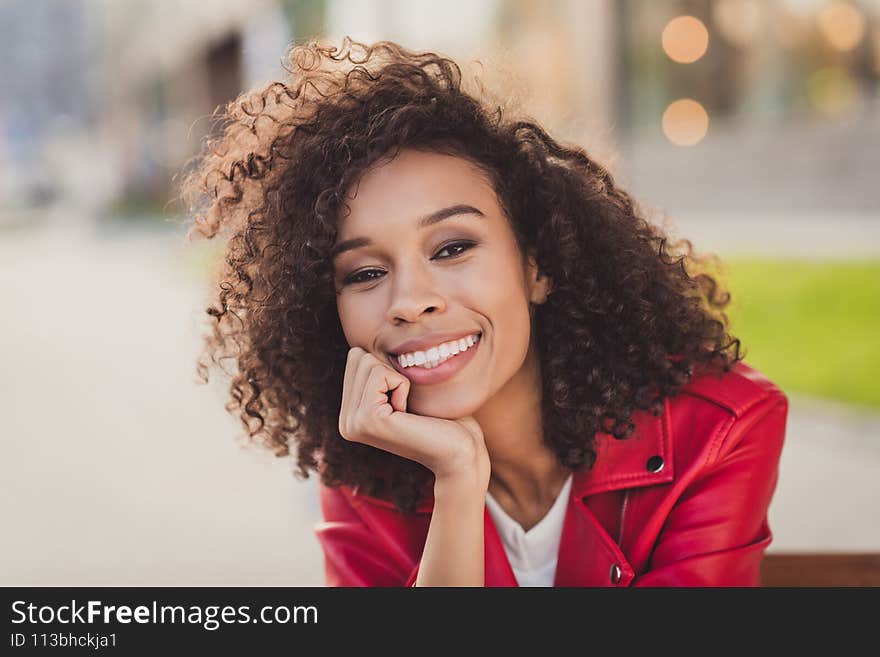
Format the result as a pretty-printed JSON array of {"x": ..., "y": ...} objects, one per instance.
[{"x": 682, "y": 503}]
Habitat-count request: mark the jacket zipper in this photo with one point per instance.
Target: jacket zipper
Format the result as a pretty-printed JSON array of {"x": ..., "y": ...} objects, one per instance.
[{"x": 622, "y": 512}]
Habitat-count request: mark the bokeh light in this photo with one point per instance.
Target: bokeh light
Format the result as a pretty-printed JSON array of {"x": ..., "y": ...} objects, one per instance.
[
  {"x": 842, "y": 25},
  {"x": 831, "y": 90},
  {"x": 685, "y": 122},
  {"x": 685, "y": 39},
  {"x": 739, "y": 21},
  {"x": 789, "y": 29}
]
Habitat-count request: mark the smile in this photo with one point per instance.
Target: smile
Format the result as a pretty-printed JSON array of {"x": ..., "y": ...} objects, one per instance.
[
  {"x": 432, "y": 357},
  {"x": 437, "y": 364}
]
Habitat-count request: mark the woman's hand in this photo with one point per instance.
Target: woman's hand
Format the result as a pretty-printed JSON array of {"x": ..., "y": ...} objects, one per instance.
[{"x": 454, "y": 450}]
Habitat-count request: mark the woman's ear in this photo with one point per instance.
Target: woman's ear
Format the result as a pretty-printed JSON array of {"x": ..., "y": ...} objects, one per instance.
[{"x": 539, "y": 284}]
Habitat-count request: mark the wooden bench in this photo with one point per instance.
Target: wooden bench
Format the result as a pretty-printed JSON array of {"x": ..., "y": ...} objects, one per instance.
[{"x": 820, "y": 569}]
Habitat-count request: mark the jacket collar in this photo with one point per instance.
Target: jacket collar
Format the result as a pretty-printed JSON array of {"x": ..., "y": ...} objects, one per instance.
[{"x": 645, "y": 458}]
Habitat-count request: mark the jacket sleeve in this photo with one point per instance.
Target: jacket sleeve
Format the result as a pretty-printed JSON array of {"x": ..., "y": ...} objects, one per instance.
[
  {"x": 354, "y": 553},
  {"x": 717, "y": 532}
]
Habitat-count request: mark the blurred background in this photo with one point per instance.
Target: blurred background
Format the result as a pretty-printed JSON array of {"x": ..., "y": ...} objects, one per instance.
[{"x": 750, "y": 127}]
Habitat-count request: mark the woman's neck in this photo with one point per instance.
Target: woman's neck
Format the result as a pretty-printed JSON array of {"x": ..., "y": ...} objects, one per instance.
[{"x": 526, "y": 475}]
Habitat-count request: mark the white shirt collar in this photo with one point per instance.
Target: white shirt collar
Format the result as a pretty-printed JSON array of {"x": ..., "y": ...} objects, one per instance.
[{"x": 537, "y": 548}]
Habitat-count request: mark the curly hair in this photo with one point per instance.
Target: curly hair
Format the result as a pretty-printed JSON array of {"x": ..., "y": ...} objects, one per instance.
[{"x": 626, "y": 326}]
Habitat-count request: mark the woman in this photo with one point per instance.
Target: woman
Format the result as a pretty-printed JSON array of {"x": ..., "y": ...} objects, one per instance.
[{"x": 503, "y": 374}]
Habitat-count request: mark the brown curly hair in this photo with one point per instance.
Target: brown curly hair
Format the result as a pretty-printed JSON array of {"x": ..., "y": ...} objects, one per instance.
[{"x": 626, "y": 326}]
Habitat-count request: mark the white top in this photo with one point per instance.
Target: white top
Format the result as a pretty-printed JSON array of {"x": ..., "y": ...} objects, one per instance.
[{"x": 532, "y": 554}]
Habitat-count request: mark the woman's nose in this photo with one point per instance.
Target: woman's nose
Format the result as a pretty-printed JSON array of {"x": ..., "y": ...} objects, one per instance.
[{"x": 413, "y": 292}]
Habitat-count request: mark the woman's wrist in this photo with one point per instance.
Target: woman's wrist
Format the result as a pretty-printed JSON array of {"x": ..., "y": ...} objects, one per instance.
[
  {"x": 462, "y": 484},
  {"x": 454, "y": 549}
]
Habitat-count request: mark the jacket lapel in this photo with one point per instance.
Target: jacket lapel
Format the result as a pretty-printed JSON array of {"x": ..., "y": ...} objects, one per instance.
[
  {"x": 588, "y": 554},
  {"x": 498, "y": 571}
]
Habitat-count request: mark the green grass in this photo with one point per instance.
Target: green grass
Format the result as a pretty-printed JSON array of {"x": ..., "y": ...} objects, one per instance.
[{"x": 811, "y": 327}]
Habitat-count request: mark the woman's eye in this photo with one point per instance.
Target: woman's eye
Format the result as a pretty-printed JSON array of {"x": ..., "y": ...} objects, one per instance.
[
  {"x": 454, "y": 245},
  {"x": 362, "y": 276},
  {"x": 452, "y": 250}
]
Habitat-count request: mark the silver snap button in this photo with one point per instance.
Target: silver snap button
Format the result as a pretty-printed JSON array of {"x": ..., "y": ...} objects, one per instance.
[
  {"x": 655, "y": 464},
  {"x": 615, "y": 574}
]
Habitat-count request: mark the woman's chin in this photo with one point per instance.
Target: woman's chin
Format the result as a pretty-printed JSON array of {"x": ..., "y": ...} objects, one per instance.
[{"x": 443, "y": 409}]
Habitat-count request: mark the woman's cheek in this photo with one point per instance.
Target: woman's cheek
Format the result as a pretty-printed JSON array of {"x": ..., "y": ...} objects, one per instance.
[{"x": 351, "y": 327}]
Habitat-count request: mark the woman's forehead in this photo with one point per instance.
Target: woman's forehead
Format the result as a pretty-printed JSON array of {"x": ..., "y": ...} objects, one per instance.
[{"x": 414, "y": 185}]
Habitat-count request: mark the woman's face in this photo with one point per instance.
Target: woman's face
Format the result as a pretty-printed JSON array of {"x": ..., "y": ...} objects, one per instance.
[{"x": 433, "y": 260}]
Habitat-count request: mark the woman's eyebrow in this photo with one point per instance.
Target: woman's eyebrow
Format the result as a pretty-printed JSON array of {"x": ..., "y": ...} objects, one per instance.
[{"x": 424, "y": 222}]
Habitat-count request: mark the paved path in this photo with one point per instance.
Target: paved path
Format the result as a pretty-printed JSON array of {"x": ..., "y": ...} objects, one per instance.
[
  {"x": 775, "y": 235},
  {"x": 116, "y": 469}
]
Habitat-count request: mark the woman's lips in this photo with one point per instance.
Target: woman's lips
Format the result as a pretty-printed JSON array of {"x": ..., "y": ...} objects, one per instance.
[{"x": 442, "y": 372}]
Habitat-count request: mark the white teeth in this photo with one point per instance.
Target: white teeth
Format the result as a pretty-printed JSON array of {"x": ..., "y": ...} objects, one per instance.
[{"x": 435, "y": 355}]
